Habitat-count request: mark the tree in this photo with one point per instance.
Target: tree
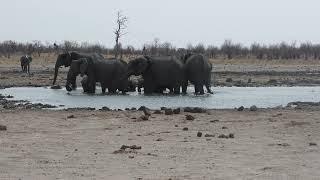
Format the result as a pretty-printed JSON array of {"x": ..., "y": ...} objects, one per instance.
[{"x": 119, "y": 31}]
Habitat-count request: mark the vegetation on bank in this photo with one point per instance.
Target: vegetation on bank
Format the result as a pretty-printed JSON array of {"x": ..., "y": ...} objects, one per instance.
[{"x": 228, "y": 50}]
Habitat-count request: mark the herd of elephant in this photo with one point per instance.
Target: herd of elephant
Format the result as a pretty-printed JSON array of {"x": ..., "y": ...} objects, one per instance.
[{"x": 158, "y": 73}]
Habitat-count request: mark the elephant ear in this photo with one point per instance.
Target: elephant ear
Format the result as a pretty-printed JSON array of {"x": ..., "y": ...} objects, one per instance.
[{"x": 83, "y": 66}]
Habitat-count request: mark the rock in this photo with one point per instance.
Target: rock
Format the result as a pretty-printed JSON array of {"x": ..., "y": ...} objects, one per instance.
[
  {"x": 104, "y": 108},
  {"x": 133, "y": 109},
  {"x": 253, "y": 108},
  {"x": 141, "y": 108},
  {"x": 146, "y": 112},
  {"x": 208, "y": 135},
  {"x": 312, "y": 144},
  {"x": 9, "y": 96},
  {"x": 176, "y": 111},
  {"x": 189, "y": 117},
  {"x": 131, "y": 157},
  {"x": 185, "y": 129},
  {"x": 249, "y": 80},
  {"x": 231, "y": 135},
  {"x": 163, "y": 108},
  {"x": 213, "y": 121},
  {"x": 134, "y": 147},
  {"x": 168, "y": 111},
  {"x": 199, "y": 134},
  {"x": 187, "y": 109},
  {"x": 223, "y": 136},
  {"x": 224, "y": 127},
  {"x": 119, "y": 109},
  {"x": 70, "y": 116},
  {"x": 127, "y": 109},
  {"x": 159, "y": 139},
  {"x": 157, "y": 112},
  {"x": 241, "y": 108},
  {"x": 229, "y": 80},
  {"x": 176, "y": 125},
  {"x": 3, "y": 128},
  {"x": 194, "y": 110},
  {"x": 56, "y": 87}
]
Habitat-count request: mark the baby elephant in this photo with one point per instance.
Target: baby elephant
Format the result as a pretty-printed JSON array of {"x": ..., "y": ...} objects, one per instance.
[
  {"x": 25, "y": 63},
  {"x": 87, "y": 88}
]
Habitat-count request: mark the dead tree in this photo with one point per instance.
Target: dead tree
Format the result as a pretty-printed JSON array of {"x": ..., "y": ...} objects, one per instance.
[{"x": 119, "y": 31}]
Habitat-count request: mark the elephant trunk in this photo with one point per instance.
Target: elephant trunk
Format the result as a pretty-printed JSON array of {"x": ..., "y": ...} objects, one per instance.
[{"x": 56, "y": 68}]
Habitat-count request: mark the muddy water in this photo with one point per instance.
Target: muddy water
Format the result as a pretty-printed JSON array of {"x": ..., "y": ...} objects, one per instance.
[{"x": 224, "y": 97}]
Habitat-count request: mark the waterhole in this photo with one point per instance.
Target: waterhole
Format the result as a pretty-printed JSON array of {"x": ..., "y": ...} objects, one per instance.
[{"x": 223, "y": 97}]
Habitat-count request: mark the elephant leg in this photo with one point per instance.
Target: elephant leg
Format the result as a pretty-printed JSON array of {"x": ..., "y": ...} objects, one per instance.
[
  {"x": 209, "y": 89},
  {"x": 103, "y": 89},
  {"x": 198, "y": 89},
  {"x": 176, "y": 90},
  {"x": 184, "y": 87},
  {"x": 28, "y": 66},
  {"x": 148, "y": 89}
]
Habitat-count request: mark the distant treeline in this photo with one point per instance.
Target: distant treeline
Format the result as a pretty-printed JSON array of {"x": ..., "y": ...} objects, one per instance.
[{"x": 228, "y": 50}]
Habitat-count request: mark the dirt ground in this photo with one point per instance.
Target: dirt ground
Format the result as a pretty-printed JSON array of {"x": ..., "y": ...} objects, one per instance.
[
  {"x": 267, "y": 144},
  {"x": 281, "y": 143}
]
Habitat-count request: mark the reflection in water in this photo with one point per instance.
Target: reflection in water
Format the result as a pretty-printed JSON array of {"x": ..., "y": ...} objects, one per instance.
[{"x": 224, "y": 97}]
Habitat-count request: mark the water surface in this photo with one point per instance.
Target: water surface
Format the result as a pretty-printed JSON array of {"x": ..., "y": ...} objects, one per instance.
[{"x": 224, "y": 97}]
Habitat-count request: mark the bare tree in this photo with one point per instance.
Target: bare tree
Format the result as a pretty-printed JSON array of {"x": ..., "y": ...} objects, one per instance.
[{"x": 119, "y": 31}]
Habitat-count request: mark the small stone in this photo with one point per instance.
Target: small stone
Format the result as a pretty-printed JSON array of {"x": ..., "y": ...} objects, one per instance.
[
  {"x": 127, "y": 109},
  {"x": 133, "y": 109},
  {"x": 163, "y": 108},
  {"x": 185, "y": 129},
  {"x": 70, "y": 116},
  {"x": 312, "y": 144},
  {"x": 3, "y": 128},
  {"x": 75, "y": 149},
  {"x": 159, "y": 139},
  {"x": 95, "y": 153},
  {"x": 253, "y": 108},
  {"x": 208, "y": 135},
  {"x": 223, "y": 136},
  {"x": 176, "y": 111},
  {"x": 189, "y": 117},
  {"x": 241, "y": 108},
  {"x": 213, "y": 121},
  {"x": 168, "y": 111},
  {"x": 157, "y": 112},
  {"x": 199, "y": 134},
  {"x": 119, "y": 109},
  {"x": 141, "y": 108},
  {"x": 176, "y": 126},
  {"x": 224, "y": 127},
  {"x": 56, "y": 87},
  {"x": 231, "y": 135},
  {"x": 105, "y": 108},
  {"x": 187, "y": 109},
  {"x": 131, "y": 157}
]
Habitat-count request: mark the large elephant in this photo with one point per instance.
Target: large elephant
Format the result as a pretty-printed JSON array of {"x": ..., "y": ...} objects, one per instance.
[
  {"x": 25, "y": 63},
  {"x": 109, "y": 72},
  {"x": 65, "y": 59},
  {"x": 198, "y": 71},
  {"x": 158, "y": 72}
]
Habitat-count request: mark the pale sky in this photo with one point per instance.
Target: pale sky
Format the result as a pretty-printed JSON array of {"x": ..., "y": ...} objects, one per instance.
[{"x": 177, "y": 21}]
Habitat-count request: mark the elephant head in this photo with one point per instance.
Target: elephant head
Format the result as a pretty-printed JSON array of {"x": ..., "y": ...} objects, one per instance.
[
  {"x": 139, "y": 65},
  {"x": 63, "y": 59},
  {"x": 77, "y": 67}
]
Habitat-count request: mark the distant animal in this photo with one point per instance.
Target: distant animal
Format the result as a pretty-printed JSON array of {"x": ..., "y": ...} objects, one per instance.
[
  {"x": 25, "y": 63},
  {"x": 198, "y": 71}
]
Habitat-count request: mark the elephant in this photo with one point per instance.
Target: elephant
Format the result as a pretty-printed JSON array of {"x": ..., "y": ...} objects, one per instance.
[
  {"x": 198, "y": 71},
  {"x": 109, "y": 72},
  {"x": 158, "y": 72},
  {"x": 25, "y": 63},
  {"x": 86, "y": 85},
  {"x": 65, "y": 59}
]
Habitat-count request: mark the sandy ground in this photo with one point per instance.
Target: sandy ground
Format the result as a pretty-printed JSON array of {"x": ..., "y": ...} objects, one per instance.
[{"x": 267, "y": 144}]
